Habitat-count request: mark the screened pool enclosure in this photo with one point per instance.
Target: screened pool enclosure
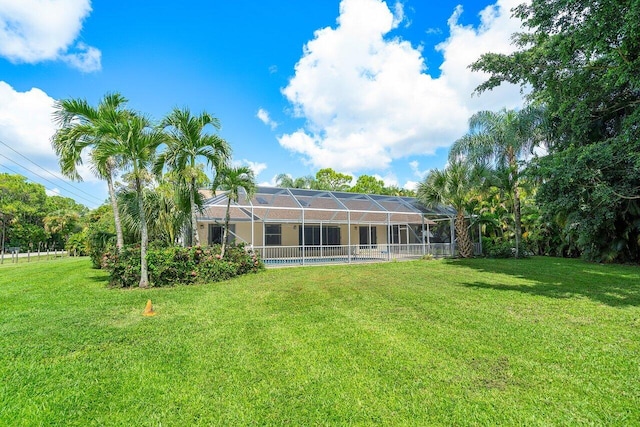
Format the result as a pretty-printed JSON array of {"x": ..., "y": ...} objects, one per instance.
[{"x": 294, "y": 226}]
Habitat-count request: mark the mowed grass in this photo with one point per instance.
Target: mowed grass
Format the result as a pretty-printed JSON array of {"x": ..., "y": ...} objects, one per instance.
[{"x": 478, "y": 342}]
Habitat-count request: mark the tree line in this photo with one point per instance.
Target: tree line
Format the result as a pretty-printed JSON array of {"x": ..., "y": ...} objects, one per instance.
[
  {"x": 581, "y": 63},
  {"x": 329, "y": 179},
  {"x": 32, "y": 220}
]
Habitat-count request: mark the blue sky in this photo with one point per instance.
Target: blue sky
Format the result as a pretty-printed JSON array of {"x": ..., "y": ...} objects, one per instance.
[{"x": 362, "y": 86}]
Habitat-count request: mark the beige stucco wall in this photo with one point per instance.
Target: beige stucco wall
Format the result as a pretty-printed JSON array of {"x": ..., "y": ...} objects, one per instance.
[{"x": 290, "y": 235}]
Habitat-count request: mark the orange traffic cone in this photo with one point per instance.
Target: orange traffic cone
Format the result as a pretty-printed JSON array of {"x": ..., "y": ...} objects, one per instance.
[{"x": 148, "y": 310}]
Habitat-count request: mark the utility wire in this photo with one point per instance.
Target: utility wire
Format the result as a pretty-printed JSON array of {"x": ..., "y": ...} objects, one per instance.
[
  {"x": 47, "y": 171},
  {"x": 40, "y": 176}
]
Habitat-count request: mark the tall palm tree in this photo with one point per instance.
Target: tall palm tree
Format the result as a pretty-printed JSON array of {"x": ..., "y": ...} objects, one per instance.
[
  {"x": 135, "y": 142},
  {"x": 187, "y": 142},
  {"x": 233, "y": 179},
  {"x": 503, "y": 139},
  {"x": 452, "y": 186},
  {"x": 165, "y": 210},
  {"x": 82, "y": 126}
]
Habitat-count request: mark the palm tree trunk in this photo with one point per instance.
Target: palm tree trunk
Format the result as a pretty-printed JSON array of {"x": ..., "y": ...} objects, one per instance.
[
  {"x": 517, "y": 217},
  {"x": 226, "y": 228},
  {"x": 144, "y": 238},
  {"x": 116, "y": 212},
  {"x": 195, "y": 238},
  {"x": 465, "y": 246}
]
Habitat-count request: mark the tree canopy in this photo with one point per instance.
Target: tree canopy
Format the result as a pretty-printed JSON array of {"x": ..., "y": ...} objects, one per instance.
[{"x": 582, "y": 62}]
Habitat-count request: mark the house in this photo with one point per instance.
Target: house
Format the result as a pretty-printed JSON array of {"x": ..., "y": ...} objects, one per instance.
[{"x": 299, "y": 226}]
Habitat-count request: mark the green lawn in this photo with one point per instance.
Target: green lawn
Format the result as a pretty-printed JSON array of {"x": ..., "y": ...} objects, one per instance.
[{"x": 478, "y": 342}]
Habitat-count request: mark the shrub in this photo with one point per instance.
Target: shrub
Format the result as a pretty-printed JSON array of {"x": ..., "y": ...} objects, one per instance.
[
  {"x": 502, "y": 249},
  {"x": 77, "y": 244},
  {"x": 177, "y": 265},
  {"x": 98, "y": 244}
]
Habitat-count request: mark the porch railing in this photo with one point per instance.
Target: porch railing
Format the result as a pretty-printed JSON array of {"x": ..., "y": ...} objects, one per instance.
[{"x": 299, "y": 255}]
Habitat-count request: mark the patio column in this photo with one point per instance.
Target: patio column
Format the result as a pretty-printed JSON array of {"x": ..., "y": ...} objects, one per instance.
[
  {"x": 320, "y": 239},
  {"x": 388, "y": 237},
  {"x": 453, "y": 237},
  {"x": 302, "y": 232},
  {"x": 428, "y": 238},
  {"x": 407, "y": 237},
  {"x": 423, "y": 236},
  {"x": 349, "y": 237},
  {"x": 264, "y": 247}
]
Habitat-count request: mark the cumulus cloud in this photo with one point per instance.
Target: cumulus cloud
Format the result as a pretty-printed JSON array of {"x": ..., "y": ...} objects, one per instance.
[
  {"x": 26, "y": 126},
  {"x": 367, "y": 97},
  {"x": 256, "y": 167},
  {"x": 25, "y": 120},
  {"x": 265, "y": 118},
  {"x": 32, "y": 31},
  {"x": 415, "y": 168}
]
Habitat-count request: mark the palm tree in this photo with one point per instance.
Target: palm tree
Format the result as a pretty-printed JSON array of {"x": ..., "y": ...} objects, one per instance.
[
  {"x": 186, "y": 142},
  {"x": 452, "y": 186},
  {"x": 135, "y": 142},
  {"x": 232, "y": 179},
  {"x": 79, "y": 128},
  {"x": 503, "y": 139},
  {"x": 284, "y": 180},
  {"x": 165, "y": 210}
]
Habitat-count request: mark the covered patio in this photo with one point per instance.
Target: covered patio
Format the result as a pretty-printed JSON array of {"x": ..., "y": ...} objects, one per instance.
[{"x": 301, "y": 227}]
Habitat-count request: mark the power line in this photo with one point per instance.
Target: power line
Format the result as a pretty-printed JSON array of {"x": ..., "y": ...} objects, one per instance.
[
  {"x": 40, "y": 176},
  {"x": 47, "y": 171}
]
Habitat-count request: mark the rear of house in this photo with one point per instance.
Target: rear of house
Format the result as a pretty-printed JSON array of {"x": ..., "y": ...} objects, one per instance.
[{"x": 298, "y": 226}]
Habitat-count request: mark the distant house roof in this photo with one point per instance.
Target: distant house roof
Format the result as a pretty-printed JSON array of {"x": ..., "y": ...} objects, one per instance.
[{"x": 274, "y": 204}]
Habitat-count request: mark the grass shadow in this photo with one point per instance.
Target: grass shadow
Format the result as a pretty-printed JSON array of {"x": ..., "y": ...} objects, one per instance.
[
  {"x": 98, "y": 278},
  {"x": 613, "y": 285}
]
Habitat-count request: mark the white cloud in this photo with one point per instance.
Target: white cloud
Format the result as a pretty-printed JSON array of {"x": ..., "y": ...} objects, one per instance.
[
  {"x": 25, "y": 120},
  {"x": 368, "y": 100},
  {"x": 85, "y": 59},
  {"x": 265, "y": 118},
  {"x": 53, "y": 192},
  {"x": 410, "y": 185},
  {"x": 415, "y": 167},
  {"x": 32, "y": 31},
  {"x": 26, "y": 125},
  {"x": 256, "y": 167}
]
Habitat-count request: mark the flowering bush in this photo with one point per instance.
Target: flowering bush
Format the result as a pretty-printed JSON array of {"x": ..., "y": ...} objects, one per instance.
[{"x": 177, "y": 265}]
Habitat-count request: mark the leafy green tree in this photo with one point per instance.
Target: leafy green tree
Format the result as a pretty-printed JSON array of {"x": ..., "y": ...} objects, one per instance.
[
  {"x": 82, "y": 126},
  {"x": 328, "y": 179},
  {"x": 581, "y": 60},
  {"x": 187, "y": 142},
  {"x": 100, "y": 234},
  {"x": 233, "y": 179},
  {"x": 454, "y": 186},
  {"x": 61, "y": 224},
  {"x": 367, "y": 184},
  {"x": 134, "y": 142},
  {"x": 56, "y": 203},
  {"x": 504, "y": 140},
  {"x": 22, "y": 208}
]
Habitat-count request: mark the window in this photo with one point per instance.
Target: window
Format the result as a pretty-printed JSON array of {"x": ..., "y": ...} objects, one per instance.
[
  {"x": 330, "y": 235},
  {"x": 216, "y": 232},
  {"x": 368, "y": 235},
  {"x": 273, "y": 234}
]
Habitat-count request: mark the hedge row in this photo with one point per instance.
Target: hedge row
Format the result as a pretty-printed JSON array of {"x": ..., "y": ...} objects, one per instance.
[{"x": 178, "y": 265}]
